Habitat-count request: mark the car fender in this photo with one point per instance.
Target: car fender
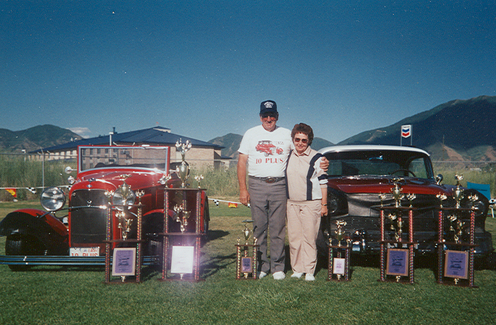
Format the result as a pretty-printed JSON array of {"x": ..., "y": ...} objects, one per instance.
[{"x": 45, "y": 227}]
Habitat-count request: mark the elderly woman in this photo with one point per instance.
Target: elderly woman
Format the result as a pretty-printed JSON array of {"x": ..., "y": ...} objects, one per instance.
[{"x": 307, "y": 201}]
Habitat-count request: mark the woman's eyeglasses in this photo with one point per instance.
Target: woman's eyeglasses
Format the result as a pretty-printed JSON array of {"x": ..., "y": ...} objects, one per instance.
[{"x": 302, "y": 140}]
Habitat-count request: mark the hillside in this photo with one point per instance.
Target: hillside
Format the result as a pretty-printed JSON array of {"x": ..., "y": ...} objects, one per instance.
[
  {"x": 464, "y": 127},
  {"x": 40, "y": 136}
]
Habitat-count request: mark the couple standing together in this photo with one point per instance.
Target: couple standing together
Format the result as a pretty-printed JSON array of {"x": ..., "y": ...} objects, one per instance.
[{"x": 285, "y": 177}]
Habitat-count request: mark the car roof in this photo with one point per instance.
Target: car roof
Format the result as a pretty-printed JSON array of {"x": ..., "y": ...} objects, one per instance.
[{"x": 349, "y": 148}]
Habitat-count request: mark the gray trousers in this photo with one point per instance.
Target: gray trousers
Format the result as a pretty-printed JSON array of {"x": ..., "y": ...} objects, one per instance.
[{"x": 268, "y": 211}]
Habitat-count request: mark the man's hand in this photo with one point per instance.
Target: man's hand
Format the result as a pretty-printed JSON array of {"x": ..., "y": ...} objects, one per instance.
[
  {"x": 324, "y": 164},
  {"x": 244, "y": 196}
]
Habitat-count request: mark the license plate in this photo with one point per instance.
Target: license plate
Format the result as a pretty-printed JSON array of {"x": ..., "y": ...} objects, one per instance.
[{"x": 84, "y": 251}]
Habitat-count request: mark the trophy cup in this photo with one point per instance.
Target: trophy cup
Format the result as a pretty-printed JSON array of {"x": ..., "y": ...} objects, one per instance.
[
  {"x": 397, "y": 192},
  {"x": 339, "y": 231},
  {"x": 458, "y": 192},
  {"x": 441, "y": 198},
  {"x": 124, "y": 224},
  {"x": 382, "y": 197},
  {"x": 198, "y": 179},
  {"x": 182, "y": 216},
  {"x": 183, "y": 169},
  {"x": 456, "y": 227},
  {"x": 410, "y": 197},
  {"x": 124, "y": 191},
  {"x": 396, "y": 227}
]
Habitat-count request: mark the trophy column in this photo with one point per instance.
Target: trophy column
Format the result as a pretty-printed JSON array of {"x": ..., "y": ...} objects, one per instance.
[
  {"x": 396, "y": 253},
  {"x": 246, "y": 256},
  {"x": 182, "y": 234},
  {"x": 125, "y": 253},
  {"x": 339, "y": 266},
  {"x": 456, "y": 245},
  {"x": 184, "y": 213}
]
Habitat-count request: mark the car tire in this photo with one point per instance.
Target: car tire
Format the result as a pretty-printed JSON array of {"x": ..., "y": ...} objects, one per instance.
[{"x": 22, "y": 245}]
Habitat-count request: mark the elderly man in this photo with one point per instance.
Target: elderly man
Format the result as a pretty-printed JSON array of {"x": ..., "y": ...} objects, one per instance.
[{"x": 263, "y": 153}]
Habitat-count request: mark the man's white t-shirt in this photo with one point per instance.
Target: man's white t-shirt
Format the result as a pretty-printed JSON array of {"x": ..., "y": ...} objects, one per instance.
[{"x": 267, "y": 151}]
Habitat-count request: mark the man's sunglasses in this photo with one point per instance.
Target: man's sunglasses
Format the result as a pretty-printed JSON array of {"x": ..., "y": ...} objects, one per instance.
[{"x": 274, "y": 115}]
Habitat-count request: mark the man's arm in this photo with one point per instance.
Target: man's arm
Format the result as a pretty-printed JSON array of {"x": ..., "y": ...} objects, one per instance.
[
  {"x": 244, "y": 196},
  {"x": 324, "y": 164}
]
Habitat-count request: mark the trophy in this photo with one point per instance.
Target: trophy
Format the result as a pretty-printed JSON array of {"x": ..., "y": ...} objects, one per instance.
[
  {"x": 124, "y": 191},
  {"x": 339, "y": 231},
  {"x": 397, "y": 192},
  {"x": 441, "y": 197},
  {"x": 456, "y": 227},
  {"x": 124, "y": 224},
  {"x": 382, "y": 197},
  {"x": 410, "y": 197},
  {"x": 458, "y": 192},
  {"x": 182, "y": 216},
  {"x": 246, "y": 264},
  {"x": 396, "y": 227},
  {"x": 183, "y": 169},
  {"x": 198, "y": 179}
]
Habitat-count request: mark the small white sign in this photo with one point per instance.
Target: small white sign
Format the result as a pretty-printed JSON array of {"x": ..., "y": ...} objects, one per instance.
[
  {"x": 182, "y": 259},
  {"x": 84, "y": 251},
  {"x": 339, "y": 264}
]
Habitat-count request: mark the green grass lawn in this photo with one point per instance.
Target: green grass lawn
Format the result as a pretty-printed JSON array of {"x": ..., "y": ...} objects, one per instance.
[{"x": 55, "y": 295}]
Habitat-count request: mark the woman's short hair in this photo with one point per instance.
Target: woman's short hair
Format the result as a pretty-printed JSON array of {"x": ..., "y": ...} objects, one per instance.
[{"x": 305, "y": 129}]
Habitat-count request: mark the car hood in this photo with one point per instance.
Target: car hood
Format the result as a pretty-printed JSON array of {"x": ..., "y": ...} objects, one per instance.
[
  {"x": 111, "y": 179},
  {"x": 363, "y": 184}
]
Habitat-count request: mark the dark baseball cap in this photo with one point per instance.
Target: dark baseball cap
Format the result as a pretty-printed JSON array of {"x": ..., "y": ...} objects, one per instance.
[{"x": 268, "y": 106}]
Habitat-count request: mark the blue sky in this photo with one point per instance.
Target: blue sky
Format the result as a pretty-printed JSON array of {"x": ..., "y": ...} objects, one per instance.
[{"x": 202, "y": 68}]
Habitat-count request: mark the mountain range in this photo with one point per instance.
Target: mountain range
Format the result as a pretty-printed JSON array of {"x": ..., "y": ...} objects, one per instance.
[
  {"x": 41, "y": 136},
  {"x": 456, "y": 130}
]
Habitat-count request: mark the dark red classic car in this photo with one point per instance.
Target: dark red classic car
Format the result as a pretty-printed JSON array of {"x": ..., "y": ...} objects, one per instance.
[
  {"x": 361, "y": 179},
  {"x": 109, "y": 179}
]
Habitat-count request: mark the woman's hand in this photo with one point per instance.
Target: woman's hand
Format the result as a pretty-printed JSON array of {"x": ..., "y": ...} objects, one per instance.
[{"x": 323, "y": 211}]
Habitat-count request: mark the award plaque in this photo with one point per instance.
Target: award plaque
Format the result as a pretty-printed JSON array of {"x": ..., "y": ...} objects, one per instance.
[
  {"x": 246, "y": 264},
  {"x": 123, "y": 263},
  {"x": 182, "y": 259},
  {"x": 456, "y": 264},
  {"x": 339, "y": 266},
  {"x": 397, "y": 262}
]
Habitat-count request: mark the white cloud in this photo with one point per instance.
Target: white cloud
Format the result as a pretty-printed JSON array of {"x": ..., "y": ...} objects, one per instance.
[{"x": 82, "y": 131}]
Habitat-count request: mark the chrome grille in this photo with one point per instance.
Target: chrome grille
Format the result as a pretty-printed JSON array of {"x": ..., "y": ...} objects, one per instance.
[{"x": 88, "y": 220}]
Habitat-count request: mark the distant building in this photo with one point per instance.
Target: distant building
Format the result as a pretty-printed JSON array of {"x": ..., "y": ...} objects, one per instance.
[{"x": 202, "y": 154}]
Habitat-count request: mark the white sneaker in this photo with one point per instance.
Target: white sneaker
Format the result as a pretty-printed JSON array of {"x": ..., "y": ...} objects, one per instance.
[
  {"x": 279, "y": 275},
  {"x": 262, "y": 275},
  {"x": 296, "y": 275},
  {"x": 309, "y": 277}
]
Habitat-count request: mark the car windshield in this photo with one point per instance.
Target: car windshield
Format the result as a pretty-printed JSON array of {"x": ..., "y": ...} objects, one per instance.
[
  {"x": 114, "y": 156},
  {"x": 379, "y": 163}
]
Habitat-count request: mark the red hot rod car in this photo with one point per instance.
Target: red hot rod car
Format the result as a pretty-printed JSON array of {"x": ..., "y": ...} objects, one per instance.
[{"x": 108, "y": 179}]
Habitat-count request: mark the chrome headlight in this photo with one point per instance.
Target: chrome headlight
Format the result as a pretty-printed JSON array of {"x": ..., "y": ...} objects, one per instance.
[
  {"x": 123, "y": 197},
  {"x": 52, "y": 199}
]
